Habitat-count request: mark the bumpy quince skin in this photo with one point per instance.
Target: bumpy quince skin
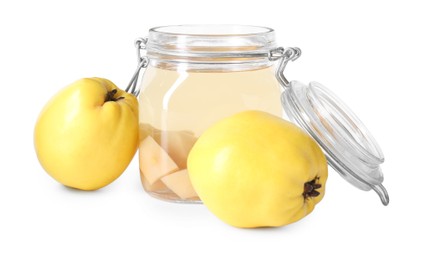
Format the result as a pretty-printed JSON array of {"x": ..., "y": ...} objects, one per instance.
[
  {"x": 254, "y": 169},
  {"x": 87, "y": 134}
]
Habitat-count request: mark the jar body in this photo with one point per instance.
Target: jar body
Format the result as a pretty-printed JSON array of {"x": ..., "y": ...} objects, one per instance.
[
  {"x": 175, "y": 109},
  {"x": 179, "y": 100}
]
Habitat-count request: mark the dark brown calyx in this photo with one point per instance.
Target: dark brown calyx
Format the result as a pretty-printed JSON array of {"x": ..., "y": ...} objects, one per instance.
[
  {"x": 110, "y": 96},
  {"x": 310, "y": 189}
]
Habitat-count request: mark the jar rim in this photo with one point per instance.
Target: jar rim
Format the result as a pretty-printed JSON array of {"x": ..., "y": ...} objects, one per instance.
[
  {"x": 212, "y": 30},
  {"x": 211, "y": 46}
]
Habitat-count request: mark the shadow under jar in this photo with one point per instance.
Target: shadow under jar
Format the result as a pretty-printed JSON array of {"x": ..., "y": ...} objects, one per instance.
[{"x": 196, "y": 76}]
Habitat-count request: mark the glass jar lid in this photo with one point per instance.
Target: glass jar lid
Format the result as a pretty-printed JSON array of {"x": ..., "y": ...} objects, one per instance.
[{"x": 348, "y": 145}]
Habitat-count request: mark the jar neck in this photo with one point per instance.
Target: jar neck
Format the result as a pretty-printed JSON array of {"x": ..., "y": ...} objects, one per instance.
[{"x": 210, "y": 47}]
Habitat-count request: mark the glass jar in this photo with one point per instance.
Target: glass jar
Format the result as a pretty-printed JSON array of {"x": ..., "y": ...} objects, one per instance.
[{"x": 196, "y": 76}]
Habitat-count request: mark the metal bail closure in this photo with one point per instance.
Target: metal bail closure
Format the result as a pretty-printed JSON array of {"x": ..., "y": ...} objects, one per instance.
[
  {"x": 140, "y": 44},
  {"x": 349, "y": 147}
]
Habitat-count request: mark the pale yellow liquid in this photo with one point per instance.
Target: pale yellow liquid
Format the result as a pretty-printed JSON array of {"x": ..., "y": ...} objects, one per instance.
[{"x": 193, "y": 101}]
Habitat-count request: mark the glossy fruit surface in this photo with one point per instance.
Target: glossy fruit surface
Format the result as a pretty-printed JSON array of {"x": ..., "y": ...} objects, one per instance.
[
  {"x": 254, "y": 169},
  {"x": 87, "y": 134}
]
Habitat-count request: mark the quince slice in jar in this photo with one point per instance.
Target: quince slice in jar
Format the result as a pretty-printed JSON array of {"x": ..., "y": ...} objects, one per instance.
[
  {"x": 162, "y": 160},
  {"x": 180, "y": 184},
  {"x": 154, "y": 161},
  {"x": 177, "y": 144}
]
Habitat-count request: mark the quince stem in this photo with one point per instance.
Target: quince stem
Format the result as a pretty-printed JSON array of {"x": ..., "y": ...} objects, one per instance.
[{"x": 110, "y": 96}]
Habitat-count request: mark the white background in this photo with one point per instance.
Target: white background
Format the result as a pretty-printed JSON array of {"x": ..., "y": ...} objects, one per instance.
[{"x": 371, "y": 53}]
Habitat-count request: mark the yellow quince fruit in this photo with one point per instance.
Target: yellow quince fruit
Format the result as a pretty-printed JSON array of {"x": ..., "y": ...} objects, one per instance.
[
  {"x": 87, "y": 134},
  {"x": 254, "y": 169}
]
